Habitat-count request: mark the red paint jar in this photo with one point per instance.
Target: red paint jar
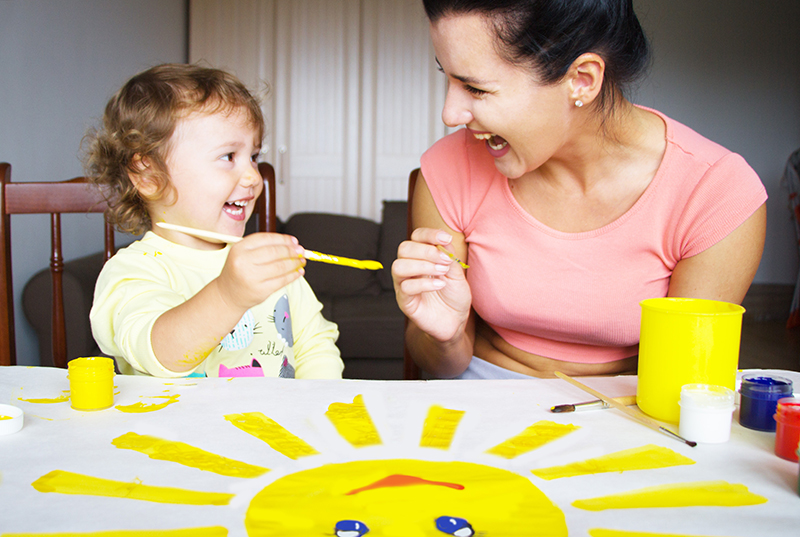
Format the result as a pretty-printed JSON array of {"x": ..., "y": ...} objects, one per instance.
[{"x": 787, "y": 433}]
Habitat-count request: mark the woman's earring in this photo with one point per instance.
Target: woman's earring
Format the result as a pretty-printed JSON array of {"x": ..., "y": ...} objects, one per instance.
[{"x": 578, "y": 103}]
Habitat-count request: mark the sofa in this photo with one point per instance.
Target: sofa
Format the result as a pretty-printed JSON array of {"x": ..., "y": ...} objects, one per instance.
[{"x": 361, "y": 302}]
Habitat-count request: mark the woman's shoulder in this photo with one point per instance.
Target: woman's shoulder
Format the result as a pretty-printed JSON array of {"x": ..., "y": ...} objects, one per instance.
[{"x": 692, "y": 144}]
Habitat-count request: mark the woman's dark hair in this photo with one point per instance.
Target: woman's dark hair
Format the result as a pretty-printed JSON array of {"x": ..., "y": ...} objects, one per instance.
[{"x": 548, "y": 35}]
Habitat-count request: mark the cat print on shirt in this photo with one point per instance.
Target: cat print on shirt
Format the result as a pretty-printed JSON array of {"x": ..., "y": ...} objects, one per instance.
[
  {"x": 283, "y": 320},
  {"x": 283, "y": 324},
  {"x": 242, "y": 335}
]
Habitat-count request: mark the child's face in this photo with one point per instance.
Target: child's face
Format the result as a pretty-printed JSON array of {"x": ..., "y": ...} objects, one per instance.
[{"x": 214, "y": 177}]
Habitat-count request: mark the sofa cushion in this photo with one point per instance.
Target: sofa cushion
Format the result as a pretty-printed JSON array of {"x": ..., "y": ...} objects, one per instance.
[
  {"x": 369, "y": 327},
  {"x": 341, "y": 235},
  {"x": 393, "y": 232}
]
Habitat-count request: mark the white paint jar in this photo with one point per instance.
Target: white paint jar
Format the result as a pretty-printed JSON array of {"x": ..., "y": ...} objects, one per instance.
[{"x": 706, "y": 412}]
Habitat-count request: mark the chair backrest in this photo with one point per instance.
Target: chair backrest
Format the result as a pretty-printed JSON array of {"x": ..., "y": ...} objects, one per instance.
[
  {"x": 76, "y": 195},
  {"x": 410, "y": 367}
]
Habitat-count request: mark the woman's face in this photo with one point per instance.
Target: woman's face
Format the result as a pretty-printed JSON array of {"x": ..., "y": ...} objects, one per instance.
[{"x": 523, "y": 122}]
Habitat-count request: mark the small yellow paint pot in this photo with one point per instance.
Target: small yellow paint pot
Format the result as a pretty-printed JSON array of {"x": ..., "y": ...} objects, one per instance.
[
  {"x": 91, "y": 383},
  {"x": 685, "y": 341}
]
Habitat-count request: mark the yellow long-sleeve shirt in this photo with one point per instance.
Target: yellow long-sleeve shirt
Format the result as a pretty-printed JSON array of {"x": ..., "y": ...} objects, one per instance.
[{"x": 286, "y": 335}]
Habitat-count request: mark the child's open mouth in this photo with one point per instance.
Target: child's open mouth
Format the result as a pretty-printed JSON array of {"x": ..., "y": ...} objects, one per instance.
[{"x": 235, "y": 208}]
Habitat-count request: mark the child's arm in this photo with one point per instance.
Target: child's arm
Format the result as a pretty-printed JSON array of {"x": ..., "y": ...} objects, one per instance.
[{"x": 183, "y": 336}]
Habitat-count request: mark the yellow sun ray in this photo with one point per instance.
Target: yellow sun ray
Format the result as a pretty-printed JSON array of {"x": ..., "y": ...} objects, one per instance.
[
  {"x": 353, "y": 422},
  {"x": 271, "y": 432},
  {"x": 600, "y": 532},
  {"x": 178, "y": 452},
  {"x": 440, "y": 427},
  {"x": 698, "y": 494},
  {"x": 210, "y": 531},
  {"x": 143, "y": 407},
  {"x": 70, "y": 483},
  {"x": 535, "y": 436},
  {"x": 646, "y": 457}
]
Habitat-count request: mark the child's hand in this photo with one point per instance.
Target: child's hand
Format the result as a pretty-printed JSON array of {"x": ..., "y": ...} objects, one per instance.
[{"x": 258, "y": 266}]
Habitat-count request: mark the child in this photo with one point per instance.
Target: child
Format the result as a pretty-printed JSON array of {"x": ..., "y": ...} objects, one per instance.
[{"x": 179, "y": 144}]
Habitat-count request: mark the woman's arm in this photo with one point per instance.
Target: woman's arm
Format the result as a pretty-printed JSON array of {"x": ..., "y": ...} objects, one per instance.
[
  {"x": 725, "y": 270},
  {"x": 432, "y": 291}
]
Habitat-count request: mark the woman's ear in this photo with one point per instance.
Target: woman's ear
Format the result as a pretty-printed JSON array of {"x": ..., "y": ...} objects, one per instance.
[
  {"x": 585, "y": 78},
  {"x": 142, "y": 177}
]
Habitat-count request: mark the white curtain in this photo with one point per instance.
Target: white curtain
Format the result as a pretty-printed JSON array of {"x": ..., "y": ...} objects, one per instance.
[{"x": 350, "y": 92}]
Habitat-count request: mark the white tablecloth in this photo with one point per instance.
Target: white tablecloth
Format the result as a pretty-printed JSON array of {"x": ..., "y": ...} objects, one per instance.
[{"x": 56, "y": 437}]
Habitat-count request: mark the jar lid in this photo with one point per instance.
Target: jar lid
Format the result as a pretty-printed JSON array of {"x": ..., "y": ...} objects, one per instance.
[
  {"x": 789, "y": 407},
  {"x": 11, "y": 419},
  {"x": 765, "y": 385},
  {"x": 707, "y": 396}
]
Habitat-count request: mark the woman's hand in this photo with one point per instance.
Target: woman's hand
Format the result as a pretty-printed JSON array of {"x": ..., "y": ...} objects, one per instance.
[
  {"x": 258, "y": 266},
  {"x": 431, "y": 289}
]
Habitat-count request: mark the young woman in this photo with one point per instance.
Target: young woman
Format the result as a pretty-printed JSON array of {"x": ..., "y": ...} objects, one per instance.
[{"x": 569, "y": 203}]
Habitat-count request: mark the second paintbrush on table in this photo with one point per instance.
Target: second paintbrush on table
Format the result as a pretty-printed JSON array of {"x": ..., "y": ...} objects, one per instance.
[{"x": 311, "y": 255}]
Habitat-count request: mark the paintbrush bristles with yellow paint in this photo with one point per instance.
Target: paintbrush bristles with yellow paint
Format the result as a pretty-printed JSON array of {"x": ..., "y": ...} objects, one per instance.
[{"x": 311, "y": 255}]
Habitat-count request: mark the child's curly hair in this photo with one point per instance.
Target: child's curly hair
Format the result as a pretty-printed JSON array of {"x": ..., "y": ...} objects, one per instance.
[{"x": 137, "y": 126}]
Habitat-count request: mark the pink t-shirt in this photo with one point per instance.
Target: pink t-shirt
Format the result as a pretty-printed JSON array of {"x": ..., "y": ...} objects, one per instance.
[{"x": 575, "y": 296}]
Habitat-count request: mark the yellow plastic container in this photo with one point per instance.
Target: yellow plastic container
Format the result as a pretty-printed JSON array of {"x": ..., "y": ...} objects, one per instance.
[
  {"x": 91, "y": 383},
  {"x": 685, "y": 341}
]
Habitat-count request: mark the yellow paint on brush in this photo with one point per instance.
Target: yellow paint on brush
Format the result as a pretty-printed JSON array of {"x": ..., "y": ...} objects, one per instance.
[
  {"x": 167, "y": 450},
  {"x": 698, "y": 494},
  {"x": 642, "y": 458},
  {"x": 271, "y": 432},
  {"x": 599, "y": 532},
  {"x": 311, "y": 255},
  {"x": 63, "y": 398},
  {"x": 70, "y": 483},
  {"x": 144, "y": 407},
  {"x": 354, "y": 423},
  {"x": 535, "y": 436},
  {"x": 211, "y": 531},
  {"x": 440, "y": 427}
]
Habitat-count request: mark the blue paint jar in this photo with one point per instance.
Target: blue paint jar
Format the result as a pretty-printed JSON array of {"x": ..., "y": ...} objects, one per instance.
[{"x": 759, "y": 400}]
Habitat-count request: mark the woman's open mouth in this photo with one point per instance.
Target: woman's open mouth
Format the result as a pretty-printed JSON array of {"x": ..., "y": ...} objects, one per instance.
[{"x": 496, "y": 144}]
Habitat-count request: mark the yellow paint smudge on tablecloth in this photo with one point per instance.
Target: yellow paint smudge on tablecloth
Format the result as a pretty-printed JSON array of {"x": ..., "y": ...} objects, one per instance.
[
  {"x": 63, "y": 398},
  {"x": 440, "y": 427},
  {"x": 210, "y": 531},
  {"x": 642, "y": 458},
  {"x": 698, "y": 494},
  {"x": 70, "y": 483},
  {"x": 271, "y": 432},
  {"x": 167, "y": 450},
  {"x": 144, "y": 407},
  {"x": 354, "y": 422},
  {"x": 535, "y": 436}
]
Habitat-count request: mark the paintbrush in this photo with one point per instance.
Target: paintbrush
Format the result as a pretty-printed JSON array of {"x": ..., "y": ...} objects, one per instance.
[
  {"x": 641, "y": 418},
  {"x": 311, "y": 255},
  {"x": 452, "y": 256},
  {"x": 626, "y": 400}
]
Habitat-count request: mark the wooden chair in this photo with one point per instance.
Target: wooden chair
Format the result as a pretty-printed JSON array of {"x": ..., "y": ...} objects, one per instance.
[
  {"x": 411, "y": 370},
  {"x": 72, "y": 196}
]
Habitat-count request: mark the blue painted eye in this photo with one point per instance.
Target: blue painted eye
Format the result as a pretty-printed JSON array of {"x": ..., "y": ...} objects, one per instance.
[
  {"x": 454, "y": 526},
  {"x": 350, "y": 528}
]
